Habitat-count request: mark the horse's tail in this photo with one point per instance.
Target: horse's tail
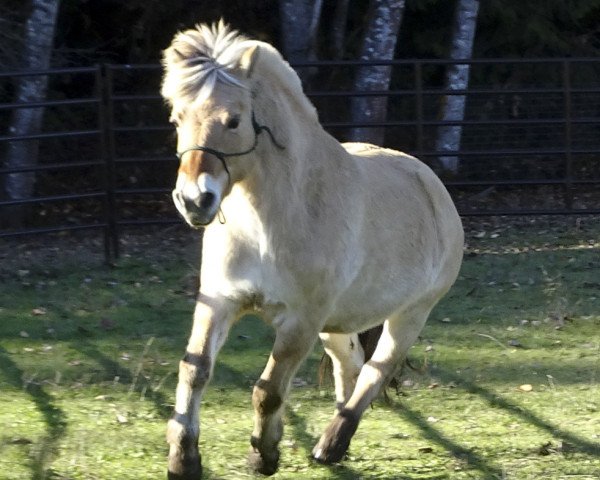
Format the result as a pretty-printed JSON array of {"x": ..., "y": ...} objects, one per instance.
[{"x": 368, "y": 341}]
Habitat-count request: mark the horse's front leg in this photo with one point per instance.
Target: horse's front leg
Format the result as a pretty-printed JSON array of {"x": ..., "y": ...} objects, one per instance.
[
  {"x": 212, "y": 320},
  {"x": 293, "y": 342}
]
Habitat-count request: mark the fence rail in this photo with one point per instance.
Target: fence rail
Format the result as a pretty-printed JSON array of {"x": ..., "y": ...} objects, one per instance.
[{"x": 530, "y": 139}]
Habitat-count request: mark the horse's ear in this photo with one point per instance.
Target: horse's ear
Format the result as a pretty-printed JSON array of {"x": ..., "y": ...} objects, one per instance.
[{"x": 248, "y": 60}]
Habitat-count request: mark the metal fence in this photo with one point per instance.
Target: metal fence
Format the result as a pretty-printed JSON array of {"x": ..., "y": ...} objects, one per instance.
[{"x": 530, "y": 139}]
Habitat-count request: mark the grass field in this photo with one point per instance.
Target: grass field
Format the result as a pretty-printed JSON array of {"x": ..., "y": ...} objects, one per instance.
[{"x": 508, "y": 385}]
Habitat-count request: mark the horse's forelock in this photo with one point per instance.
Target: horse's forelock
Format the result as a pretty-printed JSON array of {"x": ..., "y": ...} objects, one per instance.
[{"x": 200, "y": 57}]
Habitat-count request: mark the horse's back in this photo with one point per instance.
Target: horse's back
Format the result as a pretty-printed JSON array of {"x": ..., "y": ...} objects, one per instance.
[{"x": 395, "y": 177}]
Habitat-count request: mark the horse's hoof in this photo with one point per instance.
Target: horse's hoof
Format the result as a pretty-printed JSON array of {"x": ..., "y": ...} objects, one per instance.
[
  {"x": 259, "y": 464},
  {"x": 329, "y": 454},
  {"x": 185, "y": 468},
  {"x": 334, "y": 443}
]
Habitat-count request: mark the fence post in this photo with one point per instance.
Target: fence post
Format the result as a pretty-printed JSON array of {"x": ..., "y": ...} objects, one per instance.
[
  {"x": 111, "y": 247},
  {"x": 568, "y": 135}
]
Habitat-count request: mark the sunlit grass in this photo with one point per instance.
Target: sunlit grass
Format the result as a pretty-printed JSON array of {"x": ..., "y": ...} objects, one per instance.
[{"x": 508, "y": 385}]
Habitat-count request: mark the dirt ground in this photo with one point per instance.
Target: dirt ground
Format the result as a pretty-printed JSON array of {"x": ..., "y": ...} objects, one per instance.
[{"x": 163, "y": 243}]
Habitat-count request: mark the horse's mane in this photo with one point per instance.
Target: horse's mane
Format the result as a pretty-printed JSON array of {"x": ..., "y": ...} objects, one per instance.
[{"x": 199, "y": 58}]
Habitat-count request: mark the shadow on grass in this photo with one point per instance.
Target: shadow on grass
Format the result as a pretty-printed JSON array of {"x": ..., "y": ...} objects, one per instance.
[
  {"x": 495, "y": 400},
  {"x": 435, "y": 436},
  {"x": 115, "y": 369},
  {"x": 577, "y": 443},
  {"x": 300, "y": 433},
  {"x": 339, "y": 470},
  {"x": 54, "y": 417},
  {"x": 225, "y": 376}
]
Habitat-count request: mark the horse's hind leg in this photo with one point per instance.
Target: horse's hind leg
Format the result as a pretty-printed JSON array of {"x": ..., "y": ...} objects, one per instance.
[
  {"x": 347, "y": 357},
  {"x": 212, "y": 320},
  {"x": 293, "y": 342},
  {"x": 399, "y": 333}
]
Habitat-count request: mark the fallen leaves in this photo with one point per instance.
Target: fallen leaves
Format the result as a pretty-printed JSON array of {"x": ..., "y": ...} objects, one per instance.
[
  {"x": 20, "y": 441},
  {"x": 122, "y": 419},
  {"x": 107, "y": 324},
  {"x": 101, "y": 397},
  {"x": 549, "y": 448}
]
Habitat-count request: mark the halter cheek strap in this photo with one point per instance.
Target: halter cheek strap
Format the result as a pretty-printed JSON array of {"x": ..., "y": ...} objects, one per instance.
[{"x": 258, "y": 129}]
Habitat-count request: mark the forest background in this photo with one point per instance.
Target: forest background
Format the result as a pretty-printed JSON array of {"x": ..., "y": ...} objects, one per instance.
[
  {"x": 38, "y": 34},
  {"x": 136, "y": 31}
]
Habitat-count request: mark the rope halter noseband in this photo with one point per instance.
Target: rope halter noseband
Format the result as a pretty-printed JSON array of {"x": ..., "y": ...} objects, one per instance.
[{"x": 258, "y": 129}]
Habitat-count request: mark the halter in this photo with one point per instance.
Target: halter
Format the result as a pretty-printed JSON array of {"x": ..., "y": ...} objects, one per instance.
[{"x": 223, "y": 155}]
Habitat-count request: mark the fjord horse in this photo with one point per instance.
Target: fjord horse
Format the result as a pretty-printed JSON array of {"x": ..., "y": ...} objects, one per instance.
[{"x": 322, "y": 240}]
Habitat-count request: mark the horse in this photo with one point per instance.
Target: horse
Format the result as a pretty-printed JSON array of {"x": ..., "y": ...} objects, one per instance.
[{"x": 323, "y": 240}]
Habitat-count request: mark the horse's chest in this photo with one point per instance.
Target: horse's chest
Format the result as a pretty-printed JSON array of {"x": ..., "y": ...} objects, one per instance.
[{"x": 242, "y": 271}]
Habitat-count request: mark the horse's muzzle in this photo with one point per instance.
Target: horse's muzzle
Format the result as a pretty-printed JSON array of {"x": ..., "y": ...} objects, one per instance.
[{"x": 197, "y": 211}]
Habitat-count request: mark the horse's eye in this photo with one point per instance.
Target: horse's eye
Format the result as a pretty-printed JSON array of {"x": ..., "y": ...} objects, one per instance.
[{"x": 233, "y": 123}]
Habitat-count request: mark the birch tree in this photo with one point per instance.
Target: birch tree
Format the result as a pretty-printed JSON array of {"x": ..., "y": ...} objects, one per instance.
[
  {"x": 299, "y": 27},
  {"x": 379, "y": 43},
  {"x": 457, "y": 78},
  {"x": 37, "y": 50}
]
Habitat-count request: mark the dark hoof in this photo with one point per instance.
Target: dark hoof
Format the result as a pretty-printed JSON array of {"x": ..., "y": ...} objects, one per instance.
[
  {"x": 262, "y": 465},
  {"x": 334, "y": 443},
  {"x": 185, "y": 468}
]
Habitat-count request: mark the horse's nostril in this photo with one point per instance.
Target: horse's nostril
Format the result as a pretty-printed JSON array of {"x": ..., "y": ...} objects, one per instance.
[{"x": 207, "y": 199}]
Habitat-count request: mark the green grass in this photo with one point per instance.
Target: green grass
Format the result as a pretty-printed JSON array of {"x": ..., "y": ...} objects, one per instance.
[{"x": 89, "y": 354}]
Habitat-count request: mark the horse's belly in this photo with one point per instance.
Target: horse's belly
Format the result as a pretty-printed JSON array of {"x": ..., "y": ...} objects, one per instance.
[
  {"x": 352, "y": 324},
  {"x": 381, "y": 291},
  {"x": 359, "y": 311}
]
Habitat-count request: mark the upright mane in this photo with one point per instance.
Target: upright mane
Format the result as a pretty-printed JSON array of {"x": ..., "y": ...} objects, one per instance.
[{"x": 199, "y": 58}]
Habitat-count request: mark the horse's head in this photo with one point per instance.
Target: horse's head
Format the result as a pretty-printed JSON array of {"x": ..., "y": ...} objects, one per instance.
[
  {"x": 207, "y": 85},
  {"x": 210, "y": 137}
]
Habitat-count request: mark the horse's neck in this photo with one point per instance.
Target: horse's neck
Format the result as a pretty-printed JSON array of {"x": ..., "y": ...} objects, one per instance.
[
  {"x": 276, "y": 187},
  {"x": 285, "y": 181}
]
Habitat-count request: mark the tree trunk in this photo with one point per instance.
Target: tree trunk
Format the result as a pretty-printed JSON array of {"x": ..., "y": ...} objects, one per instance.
[
  {"x": 379, "y": 43},
  {"x": 38, "y": 41},
  {"x": 299, "y": 26},
  {"x": 338, "y": 29},
  {"x": 457, "y": 78}
]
